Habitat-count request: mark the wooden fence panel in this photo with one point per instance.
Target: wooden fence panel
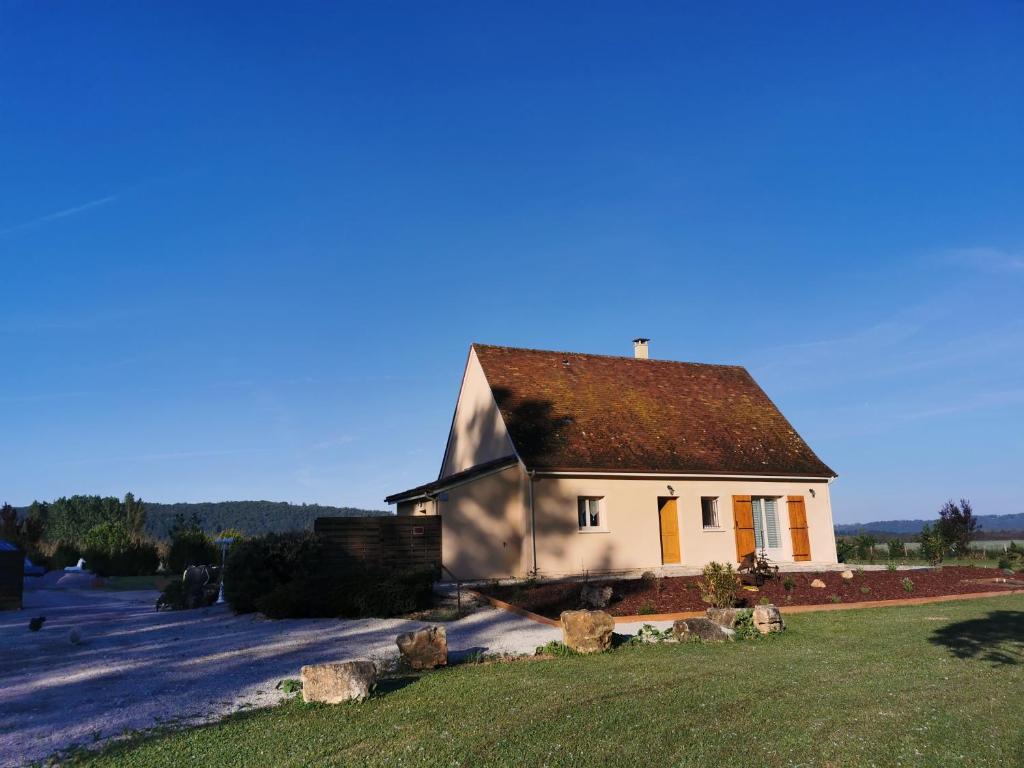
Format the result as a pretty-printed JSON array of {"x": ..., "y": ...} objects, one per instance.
[
  {"x": 12, "y": 569},
  {"x": 390, "y": 543}
]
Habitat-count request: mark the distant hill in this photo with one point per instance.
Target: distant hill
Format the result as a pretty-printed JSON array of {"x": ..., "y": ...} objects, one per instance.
[
  {"x": 250, "y": 517},
  {"x": 990, "y": 524}
]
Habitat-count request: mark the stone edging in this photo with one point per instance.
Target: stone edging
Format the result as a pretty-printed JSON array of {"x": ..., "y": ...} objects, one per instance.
[{"x": 647, "y": 618}]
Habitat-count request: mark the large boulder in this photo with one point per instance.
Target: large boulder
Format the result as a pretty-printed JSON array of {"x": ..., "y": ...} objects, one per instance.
[
  {"x": 768, "y": 618},
  {"x": 702, "y": 629},
  {"x": 724, "y": 617},
  {"x": 818, "y": 584},
  {"x": 339, "y": 681},
  {"x": 847, "y": 574},
  {"x": 593, "y": 596},
  {"x": 587, "y": 631},
  {"x": 425, "y": 648}
]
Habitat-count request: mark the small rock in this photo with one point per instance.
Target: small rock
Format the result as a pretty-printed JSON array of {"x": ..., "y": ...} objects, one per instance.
[
  {"x": 587, "y": 631},
  {"x": 425, "y": 648},
  {"x": 339, "y": 681},
  {"x": 594, "y": 596},
  {"x": 818, "y": 584},
  {"x": 751, "y": 588},
  {"x": 724, "y": 617},
  {"x": 75, "y": 636},
  {"x": 701, "y": 629},
  {"x": 847, "y": 574},
  {"x": 768, "y": 618}
]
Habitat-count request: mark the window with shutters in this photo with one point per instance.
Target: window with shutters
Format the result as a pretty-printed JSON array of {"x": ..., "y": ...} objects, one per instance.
[
  {"x": 766, "y": 522},
  {"x": 591, "y": 515}
]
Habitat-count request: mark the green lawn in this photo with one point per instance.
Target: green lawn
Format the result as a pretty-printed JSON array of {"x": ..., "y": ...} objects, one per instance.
[{"x": 933, "y": 685}]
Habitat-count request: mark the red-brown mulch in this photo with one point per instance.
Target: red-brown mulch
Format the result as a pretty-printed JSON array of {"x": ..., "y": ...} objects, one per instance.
[{"x": 681, "y": 593}]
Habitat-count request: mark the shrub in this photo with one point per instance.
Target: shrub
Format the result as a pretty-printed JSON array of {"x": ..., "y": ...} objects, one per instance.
[
  {"x": 111, "y": 550},
  {"x": 908, "y": 585},
  {"x": 788, "y": 584},
  {"x": 896, "y": 549},
  {"x": 64, "y": 554},
  {"x": 554, "y": 648},
  {"x": 720, "y": 585},
  {"x": 190, "y": 546},
  {"x": 288, "y": 576},
  {"x": 890, "y": 566},
  {"x": 256, "y": 567},
  {"x": 745, "y": 627},
  {"x": 865, "y": 547},
  {"x": 933, "y": 544},
  {"x": 836, "y": 599},
  {"x": 865, "y": 590},
  {"x": 844, "y": 550}
]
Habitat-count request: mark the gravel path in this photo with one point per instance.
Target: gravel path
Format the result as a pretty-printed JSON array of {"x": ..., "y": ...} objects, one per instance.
[{"x": 136, "y": 668}]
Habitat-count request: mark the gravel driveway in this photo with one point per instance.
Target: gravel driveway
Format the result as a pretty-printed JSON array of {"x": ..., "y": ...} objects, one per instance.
[{"x": 136, "y": 668}]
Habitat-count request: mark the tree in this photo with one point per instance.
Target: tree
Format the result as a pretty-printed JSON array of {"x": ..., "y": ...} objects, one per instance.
[
  {"x": 957, "y": 525},
  {"x": 134, "y": 515},
  {"x": 8, "y": 521},
  {"x": 933, "y": 544}
]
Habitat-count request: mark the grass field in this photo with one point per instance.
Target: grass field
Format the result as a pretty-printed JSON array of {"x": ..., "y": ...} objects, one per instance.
[{"x": 932, "y": 685}]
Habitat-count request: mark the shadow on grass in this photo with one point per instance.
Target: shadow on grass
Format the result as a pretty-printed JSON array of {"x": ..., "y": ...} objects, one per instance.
[{"x": 998, "y": 638}]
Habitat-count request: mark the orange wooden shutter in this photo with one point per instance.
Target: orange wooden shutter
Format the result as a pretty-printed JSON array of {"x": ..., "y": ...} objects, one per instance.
[
  {"x": 798, "y": 527},
  {"x": 743, "y": 524}
]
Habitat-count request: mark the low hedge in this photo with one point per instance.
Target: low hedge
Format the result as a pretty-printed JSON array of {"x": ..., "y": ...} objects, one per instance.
[{"x": 289, "y": 575}]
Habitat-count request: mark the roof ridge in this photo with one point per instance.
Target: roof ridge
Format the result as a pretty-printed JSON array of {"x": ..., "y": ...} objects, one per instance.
[{"x": 611, "y": 357}]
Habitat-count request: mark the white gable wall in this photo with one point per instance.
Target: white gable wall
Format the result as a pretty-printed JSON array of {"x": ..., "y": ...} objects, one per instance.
[{"x": 478, "y": 432}]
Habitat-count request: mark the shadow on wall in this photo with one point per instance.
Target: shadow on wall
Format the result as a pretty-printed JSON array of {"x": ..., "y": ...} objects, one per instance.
[
  {"x": 998, "y": 638},
  {"x": 494, "y": 545}
]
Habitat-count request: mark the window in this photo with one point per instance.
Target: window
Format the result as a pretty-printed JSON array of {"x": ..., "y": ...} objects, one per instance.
[
  {"x": 766, "y": 522},
  {"x": 709, "y": 511},
  {"x": 590, "y": 513}
]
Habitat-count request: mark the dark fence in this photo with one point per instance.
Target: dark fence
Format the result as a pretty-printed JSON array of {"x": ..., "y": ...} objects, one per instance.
[
  {"x": 391, "y": 543},
  {"x": 12, "y": 576}
]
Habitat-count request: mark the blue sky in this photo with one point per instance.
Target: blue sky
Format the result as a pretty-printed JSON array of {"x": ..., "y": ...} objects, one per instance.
[{"x": 245, "y": 246}]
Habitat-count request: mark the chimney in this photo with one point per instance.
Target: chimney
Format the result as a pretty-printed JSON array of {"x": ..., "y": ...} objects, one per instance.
[{"x": 640, "y": 348}]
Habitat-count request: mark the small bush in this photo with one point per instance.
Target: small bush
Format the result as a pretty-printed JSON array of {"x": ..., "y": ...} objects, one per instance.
[
  {"x": 720, "y": 585},
  {"x": 865, "y": 590},
  {"x": 646, "y": 609},
  {"x": 908, "y": 585},
  {"x": 788, "y": 584},
  {"x": 745, "y": 627},
  {"x": 836, "y": 599},
  {"x": 890, "y": 566},
  {"x": 554, "y": 648}
]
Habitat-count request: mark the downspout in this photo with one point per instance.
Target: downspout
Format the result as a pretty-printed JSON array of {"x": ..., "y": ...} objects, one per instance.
[{"x": 533, "y": 522}]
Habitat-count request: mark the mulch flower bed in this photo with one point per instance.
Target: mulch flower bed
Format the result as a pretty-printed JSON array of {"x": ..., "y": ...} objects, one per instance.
[{"x": 681, "y": 593}]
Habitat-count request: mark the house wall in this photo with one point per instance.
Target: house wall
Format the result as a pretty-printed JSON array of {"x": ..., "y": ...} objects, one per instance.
[
  {"x": 631, "y": 538},
  {"x": 483, "y": 525},
  {"x": 478, "y": 432}
]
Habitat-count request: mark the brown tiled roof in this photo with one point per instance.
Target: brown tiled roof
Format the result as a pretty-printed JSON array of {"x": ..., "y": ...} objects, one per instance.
[{"x": 569, "y": 411}]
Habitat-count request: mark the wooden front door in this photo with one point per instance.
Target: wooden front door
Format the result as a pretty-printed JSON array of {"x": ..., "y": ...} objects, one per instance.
[
  {"x": 669, "y": 521},
  {"x": 743, "y": 525},
  {"x": 798, "y": 527}
]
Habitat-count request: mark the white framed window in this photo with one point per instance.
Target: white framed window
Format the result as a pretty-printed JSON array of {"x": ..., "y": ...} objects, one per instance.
[
  {"x": 591, "y": 513},
  {"x": 766, "y": 522},
  {"x": 709, "y": 511}
]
